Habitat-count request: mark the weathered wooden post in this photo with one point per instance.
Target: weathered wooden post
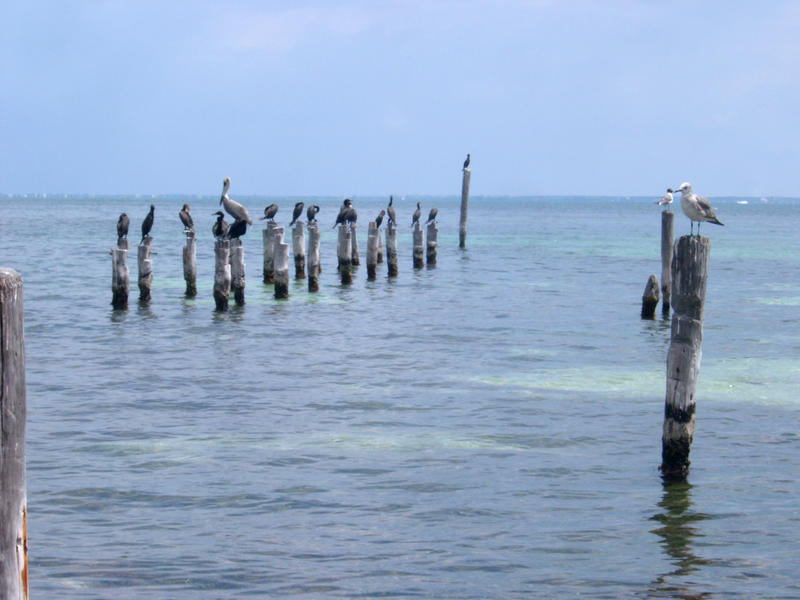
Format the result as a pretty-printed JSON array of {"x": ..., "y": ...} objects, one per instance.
[
  {"x": 391, "y": 249},
  {"x": 269, "y": 251},
  {"x": 313, "y": 257},
  {"x": 419, "y": 247},
  {"x": 145, "y": 268},
  {"x": 689, "y": 275},
  {"x": 120, "y": 274},
  {"x": 380, "y": 246},
  {"x": 13, "y": 410},
  {"x": 650, "y": 297},
  {"x": 667, "y": 220},
  {"x": 190, "y": 264},
  {"x": 462, "y": 225},
  {"x": 237, "y": 270},
  {"x": 222, "y": 274},
  {"x": 372, "y": 250},
  {"x": 343, "y": 250},
  {"x": 281, "y": 267},
  {"x": 431, "y": 243},
  {"x": 299, "y": 250},
  {"x": 354, "y": 245}
]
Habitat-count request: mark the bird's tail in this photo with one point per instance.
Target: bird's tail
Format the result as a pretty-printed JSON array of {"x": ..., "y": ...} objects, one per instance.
[{"x": 715, "y": 221}]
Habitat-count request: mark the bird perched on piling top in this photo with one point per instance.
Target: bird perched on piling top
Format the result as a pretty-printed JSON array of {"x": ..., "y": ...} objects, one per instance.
[
  {"x": 417, "y": 213},
  {"x": 220, "y": 227},
  {"x": 379, "y": 219},
  {"x": 466, "y": 162},
  {"x": 185, "y": 214},
  {"x": 237, "y": 230},
  {"x": 270, "y": 212},
  {"x": 390, "y": 211},
  {"x": 233, "y": 208},
  {"x": 697, "y": 208},
  {"x": 311, "y": 213},
  {"x": 340, "y": 218},
  {"x": 298, "y": 210},
  {"x": 147, "y": 224},
  {"x": 432, "y": 215},
  {"x": 122, "y": 225},
  {"x": 665, "y": 200}
]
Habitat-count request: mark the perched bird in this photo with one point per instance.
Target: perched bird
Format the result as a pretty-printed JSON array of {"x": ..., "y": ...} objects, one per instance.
[
  {"x": 351, "y": 216},
  {"x": 185, "y": 214},
  {"x": 665, "y": 200},
  {"x": 340, "y": 218},
  {"x": 697, "y": 208},
  {"x": 390, "y": 211},
  {"x": 417, "y": 214},
  {"x": 122, "y": 225},
  {"x": 270, "y": 212},
  {"x": 432, "y": 215},
  {"x": 466, "y": 162},
  {"x": 379, "y": 219},
  {"x": 311, "y": 213},
  {"x": 147, "y": 224},
  {"x": 220, "y": 227},
  {"x": 298, "y": 210},
  {"x": 233, "y": 208},
  {"x": 238, "y": 229}
]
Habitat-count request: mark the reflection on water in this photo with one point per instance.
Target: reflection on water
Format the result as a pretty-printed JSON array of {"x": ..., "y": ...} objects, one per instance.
[{"x": 677, "y": 535}]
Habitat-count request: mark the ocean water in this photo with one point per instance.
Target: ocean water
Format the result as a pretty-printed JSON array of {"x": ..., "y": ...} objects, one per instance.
[{"x": 489, "y": 428}]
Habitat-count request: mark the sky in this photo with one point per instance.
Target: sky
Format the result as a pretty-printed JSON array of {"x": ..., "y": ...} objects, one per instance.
[{"x": 379, "y": 97}]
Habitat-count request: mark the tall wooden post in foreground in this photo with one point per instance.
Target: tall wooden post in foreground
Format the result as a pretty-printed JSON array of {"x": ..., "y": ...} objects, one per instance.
[
  {"x": 120, "y": 274},
  {"x": 190, "y": 264},
  {"x": 419, "y": 247},
  {"x": 145, "y": 268},
  {"x": 222, "y": 274},
  {"x": 281, "y": 268},
  {"x": 391, "y": 249},
  {"x": 343, "y": 253},
  {"x": 354, "y": 260},
  {"x": 689, "y": 275},
  {"x": 372, "y": 250},
  {"x": 299, "y": 250},
  {"x": 667, "y": 220},
  {"x": 269, "y": 252},
  {"x": 313, "y": 257},
  {"x": 431, "y": 243},
  {"x": 13, "y": 408},
  {"x": 462, "y": 225},
  {"x": 237, "y": 270}
]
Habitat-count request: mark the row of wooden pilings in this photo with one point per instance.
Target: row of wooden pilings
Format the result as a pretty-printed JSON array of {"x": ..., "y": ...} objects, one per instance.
[
  {"x": 684, "y": 273},
  {"x": 229, "y": 269}
]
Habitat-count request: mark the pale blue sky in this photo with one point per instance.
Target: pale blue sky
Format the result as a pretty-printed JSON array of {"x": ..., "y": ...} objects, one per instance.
[{"x": 310, "y": 97}]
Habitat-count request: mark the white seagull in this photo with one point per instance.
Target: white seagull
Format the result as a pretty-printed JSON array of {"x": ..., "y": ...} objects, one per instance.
[
  {"x": 665, "y": 200},
  {"x": 234, "y": 209},
  {"x": 697, "y": 208}
]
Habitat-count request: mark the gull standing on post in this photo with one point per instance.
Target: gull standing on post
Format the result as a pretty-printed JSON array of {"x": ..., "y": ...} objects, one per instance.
[
  {"x": 233, "y": 208},
  {"x": 665, "y": 200},
  {"x": 697, "y": 208}
]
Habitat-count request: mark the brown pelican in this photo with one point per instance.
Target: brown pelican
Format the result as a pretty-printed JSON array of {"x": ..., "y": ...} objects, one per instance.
[
  {"x": 311, "y": 213},
  {"x": 220, "y": 227},
  {"x": 270, "y": 212},
  {"x": 432, "y": 214},
  {"x": 379, "y": 219},
  {"x": 466, "y": 162},
  {"x": 298, "y": 210},
  {"x": 147, "y": 224},
  {"x": 697, "y": 208},
  {"x": 233, "y": 208},
  {"x": 185, "y": 214},
  {"x": 390, "y": 211},
  {"x": 417, "y": 213},
  {"x": 122, "y": 225}
]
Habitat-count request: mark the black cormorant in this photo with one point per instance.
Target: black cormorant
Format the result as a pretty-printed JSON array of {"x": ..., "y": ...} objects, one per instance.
[
  {"x": 147, "y": 224},
  {"x": 298, "y": 210},
  {"x": 185, "y": 214},
  {"x": 416, "y": 215},
  {"x": 122, "y": 225},
  {"x": 340, "y": 218},
  {"x": 390, "y": 211},
  {"x": 238, "y": 229},
  {"x": 466, "y": 162},
  {"x": 311, "y": 213},
  {"x": 220, "y": 227},
  {"x": 379, "y": 219},
  {"x": 432, "y": 214},
  {"x": 270, "y": 212}
]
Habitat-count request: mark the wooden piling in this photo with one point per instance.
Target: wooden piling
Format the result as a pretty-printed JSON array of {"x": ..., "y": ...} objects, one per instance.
[
  {"x": 120, "y": 274},
  {"x": 190, "y": 264},
  {"x": 237, "y": 270},
  {"x": 343, "y": 253},
  {"x": 462, "y": 224},
  {"x": 281, "y": 268},
  {"x": 431, "y": 243},
  {"x": 222, "y": 274},
  {"x": 667, "y": 221},
  {"x": 380, "y": 246},
  {"x": 313, "y": 257},
  {"x": 145, "y": 268},
  {"x": 372, "y": 250},
  {"x": 269, "y": 252},
  {"x": 13, "y": 409},
  {"x": 391, "y": 249},
  {"x": 354, "y": 245},
  {"x": 650, "y": 297},
  {"x": 419, "y": 247},
  {"x": 299, "y": 250},
  {"x": 689, "y": 276}
]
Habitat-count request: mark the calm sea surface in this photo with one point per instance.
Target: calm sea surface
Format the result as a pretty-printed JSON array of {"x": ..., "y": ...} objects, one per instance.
[{"x": 490, "y": 428}]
